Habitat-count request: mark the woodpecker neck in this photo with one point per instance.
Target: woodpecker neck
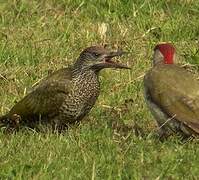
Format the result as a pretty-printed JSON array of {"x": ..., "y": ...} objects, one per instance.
[{"x": 80, "y": 71}]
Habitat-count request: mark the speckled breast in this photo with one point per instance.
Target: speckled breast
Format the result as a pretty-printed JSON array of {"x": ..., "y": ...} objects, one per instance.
[{"x": 81, "y": 99}]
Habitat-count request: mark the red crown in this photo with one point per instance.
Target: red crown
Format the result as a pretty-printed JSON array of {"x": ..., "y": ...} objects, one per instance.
[{"x": 168, "y": 51}]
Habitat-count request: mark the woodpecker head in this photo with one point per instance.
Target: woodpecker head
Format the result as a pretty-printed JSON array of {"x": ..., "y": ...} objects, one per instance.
[
  {"x": 98, "y": 57},
  {"x": 164, "y": 53}
]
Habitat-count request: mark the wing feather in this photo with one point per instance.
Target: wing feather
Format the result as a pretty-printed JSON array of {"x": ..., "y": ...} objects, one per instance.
[
  {"x": 176, "y": 92},
  {"x": 46, "y": 98}
]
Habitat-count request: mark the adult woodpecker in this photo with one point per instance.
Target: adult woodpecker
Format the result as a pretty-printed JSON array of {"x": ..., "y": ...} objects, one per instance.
[{"x": 172, "y": 94}]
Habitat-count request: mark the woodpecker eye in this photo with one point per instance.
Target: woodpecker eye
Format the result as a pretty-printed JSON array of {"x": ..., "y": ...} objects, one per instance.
[{"x": 96, "y": 54}]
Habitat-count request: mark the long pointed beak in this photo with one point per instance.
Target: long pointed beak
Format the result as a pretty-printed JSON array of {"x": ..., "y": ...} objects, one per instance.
[{"x": 112, "y": 64}]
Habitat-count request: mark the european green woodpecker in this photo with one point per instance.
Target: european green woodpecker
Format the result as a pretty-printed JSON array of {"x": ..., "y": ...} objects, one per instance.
[
  {"x": 172, "y": 94},
  {"x": 67, "y": 95}
]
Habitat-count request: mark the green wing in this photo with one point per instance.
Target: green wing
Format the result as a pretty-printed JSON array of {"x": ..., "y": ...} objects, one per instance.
[
  {"x": 47, "y": 97},
  {"x": 176, "y": 92}
]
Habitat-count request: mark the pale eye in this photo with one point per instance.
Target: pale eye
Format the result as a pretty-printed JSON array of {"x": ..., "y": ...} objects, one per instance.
[{"x": 96, "y": 54}]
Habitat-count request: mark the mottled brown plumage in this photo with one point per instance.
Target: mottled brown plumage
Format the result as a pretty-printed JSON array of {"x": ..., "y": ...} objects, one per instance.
[{"x": 67, "y": 95}]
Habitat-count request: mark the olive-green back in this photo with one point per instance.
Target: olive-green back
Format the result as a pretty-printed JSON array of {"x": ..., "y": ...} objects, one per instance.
[
  {"x": 46, "y": 97},
  {"x": 176, "y": 92}
]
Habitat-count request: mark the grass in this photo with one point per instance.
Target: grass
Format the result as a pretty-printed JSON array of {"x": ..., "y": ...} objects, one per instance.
[{"x": 37, "y": 37}]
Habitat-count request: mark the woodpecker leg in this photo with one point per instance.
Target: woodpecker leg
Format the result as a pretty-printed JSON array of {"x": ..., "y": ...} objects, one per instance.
[
  {"x": 57, "y": 124},
  {"x": 163, "y": 134},
  {"x": 15, "y": 120}
]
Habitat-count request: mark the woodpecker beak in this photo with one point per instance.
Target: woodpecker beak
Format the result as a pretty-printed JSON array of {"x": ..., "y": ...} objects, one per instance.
[{"x": 108, "y": 63}]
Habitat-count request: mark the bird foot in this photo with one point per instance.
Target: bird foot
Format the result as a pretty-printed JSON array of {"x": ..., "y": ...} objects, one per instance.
[{"x": 15, "y": 120}]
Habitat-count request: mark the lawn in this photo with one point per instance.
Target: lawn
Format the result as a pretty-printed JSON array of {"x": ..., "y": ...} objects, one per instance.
[{"x": 38, "y": 37}]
